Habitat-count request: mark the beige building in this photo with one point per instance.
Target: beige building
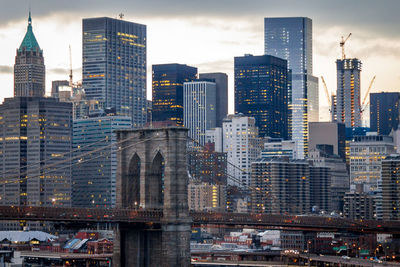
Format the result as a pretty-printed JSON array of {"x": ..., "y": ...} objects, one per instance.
[{"x": 205, "y": 197}]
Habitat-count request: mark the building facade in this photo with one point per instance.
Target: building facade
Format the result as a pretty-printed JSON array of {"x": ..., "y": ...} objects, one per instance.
[
  {"x": 114, "y": 66},
  {"x": 208, "y": 165},
  {"x": 391, "y": 187},
  {"x": 242, "y": 145},
  {"x": 348, "y": 103},
  {"x": 199, "y": 109},
  {"x": 221, "y": 81},
  {"x": 290, "y": 38},
  {"x": 280, "y": 186},
  {"x": 261, "y": 91},
  {"x": 29, "y": 69},
  {"x": 167, "y": 94},
  {"x": 276, "y": 147},
  {"x": 94, "y": 174},
  {"x": 329, "y": 133},
  {"x": 384, "y": 112},
  {"x": 35, "y": 153},
  {"x": 206, "y": 197}
]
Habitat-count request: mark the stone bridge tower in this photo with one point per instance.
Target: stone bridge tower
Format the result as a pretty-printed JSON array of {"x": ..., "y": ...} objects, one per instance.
[{"x": 152, "y": 174}]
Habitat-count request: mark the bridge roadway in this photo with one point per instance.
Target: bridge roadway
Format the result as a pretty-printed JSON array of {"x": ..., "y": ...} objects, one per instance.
[{"x": 300, "y": 222}]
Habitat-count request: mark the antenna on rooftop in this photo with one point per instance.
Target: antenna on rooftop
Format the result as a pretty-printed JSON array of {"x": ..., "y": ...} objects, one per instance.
[{"x": 121, "y": 15}]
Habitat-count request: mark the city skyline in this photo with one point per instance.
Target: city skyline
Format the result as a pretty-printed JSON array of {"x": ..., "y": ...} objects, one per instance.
[{"x": 374, "y": 41}]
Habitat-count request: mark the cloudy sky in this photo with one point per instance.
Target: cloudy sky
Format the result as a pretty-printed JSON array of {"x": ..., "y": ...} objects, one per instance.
[{"x": 209, "y": 33}]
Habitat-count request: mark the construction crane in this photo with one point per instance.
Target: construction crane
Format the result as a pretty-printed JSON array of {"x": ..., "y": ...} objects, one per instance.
[
  {"x": 70, "y": 68},
  {"x": 364, "y": 104},
  {"x": 328, "y": 96},
  {"x": 342, "y": 42}
]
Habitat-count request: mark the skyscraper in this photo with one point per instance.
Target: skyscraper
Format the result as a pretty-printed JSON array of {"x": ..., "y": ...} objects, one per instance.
[
  {"x": 348, "y": 105},
  {"x": 384, "y": 112},
  {"x": 199, "y": 109},
  {"x": 328, "y": 133},
  {"x": 221, "y": 80},
  {"x": 114, "y": 66},
  {"x": 167, "y": 94},
  {"x": 94, "y": 175},
  {"x": 29, "y": 69},
  {"x": 291, "y": 39},
  {"x": 35, "y": 144},
  {"x": 391, "y": 188},
  {"x": 261, "y": 91}
]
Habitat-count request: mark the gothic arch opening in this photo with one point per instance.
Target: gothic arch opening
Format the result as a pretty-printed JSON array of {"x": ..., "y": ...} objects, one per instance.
[
  {"x": 155, "y": 183},
  {"x": 132, "y": 186}
]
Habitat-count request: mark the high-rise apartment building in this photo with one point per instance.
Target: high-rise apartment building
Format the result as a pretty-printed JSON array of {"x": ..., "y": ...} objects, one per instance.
[
  {"x": 328, "y": 133},
  {"x": 94, "y": 174},
  {"x": 221, "y": 81},
  {"x": 290, "y": 38},
  {"x": 384, "y": 112},
  {"x": 391, "y": 188},
  {"x": 261, "y": 91},
  {"x": 242, "y": 145},
  {"x": 206, "y": 197},
  {"x": 280, "y": 186},
  {"x": 114, "y": 66},
  {"x": 348, "y": 103},
  {"x": 29, "y": 69},
  {"x": 366, "y": 155},
  {"x": 276, "y": 147},
  {"x": 199, "y": 109},
  {"x": 167, "y": 95},
  {"x": 56, "y": 86},
  {"x": 35, "y": 144}
]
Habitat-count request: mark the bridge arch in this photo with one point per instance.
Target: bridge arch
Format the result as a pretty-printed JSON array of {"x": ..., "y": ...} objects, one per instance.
[{"x": 131, "y": 185}]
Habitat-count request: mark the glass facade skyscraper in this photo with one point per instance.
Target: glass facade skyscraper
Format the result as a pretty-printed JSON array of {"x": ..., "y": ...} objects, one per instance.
[
  {"x": 199, "y": 109},
  {"x": 114, "y": 66},
  {"x": 291, "y": 39},
  {"x": 167, "y": 94},
  {"x": 94, "y": 175},
  {"x": 261, "y": 91},
  {"x": 384, "y": 112}
]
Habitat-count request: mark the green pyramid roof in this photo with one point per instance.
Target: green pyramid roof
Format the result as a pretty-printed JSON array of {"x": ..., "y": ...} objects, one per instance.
[{"x": 29, "y": 42}]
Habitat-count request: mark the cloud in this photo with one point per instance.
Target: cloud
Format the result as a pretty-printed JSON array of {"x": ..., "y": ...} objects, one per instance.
[
  {"x": 63, "y": 71},
  {"x": 6, "y": 69}
]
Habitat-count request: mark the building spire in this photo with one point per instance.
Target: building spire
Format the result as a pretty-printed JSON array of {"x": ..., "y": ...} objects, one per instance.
[
  {"x": 29, "y": 18},
  {"x": 29, "y": 42}
]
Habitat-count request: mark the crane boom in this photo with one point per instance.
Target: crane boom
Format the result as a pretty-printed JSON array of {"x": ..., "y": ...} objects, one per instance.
[
  {"x": 342, "y": 42},
  {"x": 326, "y": 92},
  {"x": 364, "y": 104},
  {"x": 70, "y": 67}
]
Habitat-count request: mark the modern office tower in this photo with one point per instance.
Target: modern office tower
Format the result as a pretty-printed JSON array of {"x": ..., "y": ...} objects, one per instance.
[
  {"x": 242, "y": 145},
  {"x": 29, "y": 69},
  {"x": 55, "y": 87},
  {"x": 366, "y": 154},
  {"x": 339, "y": 180},
  {"x": 283, "y": 186},
  {"x": 94, "y": 174},
  {"x": 114, "y": 66},
  {"x": 35, "y": 143},
  {"x": 199, "y": 109},
  {"x": 221, "y": 80},
  {"x": 320, "y": 188},
  {"x": 261, "y": 91},
  {"x": 291, "y": 39},
  {"x": 384, "y": 112},
  {"x": 359, "y": 205},
  {"x": 206, "y": 197},
  {"x": 208, "y": 165},
  {"x": 348, "y": 103},
  {"x": 215, "y": 136},
  {"x": 330, "y": 133},
  {"x": 277, "y": 147},
  {"x": 167, "y": 92},
  {"x": 391, "y": 187}
]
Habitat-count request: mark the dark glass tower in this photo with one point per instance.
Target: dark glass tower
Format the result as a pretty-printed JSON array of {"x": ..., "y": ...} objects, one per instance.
[
  {"x": 290, "y": 38},
  {"x": 29, "y": 69},
  {"x": 261, "y": 91},
  {"x": 167, "y": 94},
  {"x": 114, "y": 65},
  {"x": 384, "y": 112}
]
